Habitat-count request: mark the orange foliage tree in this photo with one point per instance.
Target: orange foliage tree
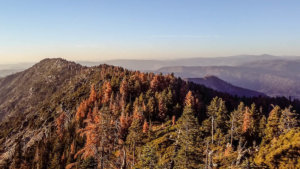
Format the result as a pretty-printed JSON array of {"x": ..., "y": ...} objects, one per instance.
[
  {"x": 246, "y": 121},
  {"x": 145, "y": 127},
  {"x": 60, "y": 122},
  {"x": 107, "y": 90}
]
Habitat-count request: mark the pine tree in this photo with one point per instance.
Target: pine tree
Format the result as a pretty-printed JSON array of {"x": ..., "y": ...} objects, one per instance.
[
  {"x": 162, "y": 106},
  {"x": 247, "y": 120},
  {"x": 262, "y": 126},
  {"x": 145, "y": 127},
  {"x": 256, "y": 116},
  {"x": 149, "y": 158},
  {"x": 188, "y": 131},
  {"x": 272, "y": 128},
  {"x": 155, "y": 83},
  {"x": 60, "y": 122},
  {"x": 236, "y": 121},
  {"x": 107, "y": 91},
  {"x": 217, "y": 113},
  {"x": 134, "y": 136},
  {"x": 288, "y": 120},
  {"x": 93, "y": 94},
  {"x": 151, "y": 107},
  {"x": 89, "y": 163}
]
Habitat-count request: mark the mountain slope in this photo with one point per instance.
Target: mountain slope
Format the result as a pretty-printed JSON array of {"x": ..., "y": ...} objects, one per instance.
[
  {"x": 25, "y": 90},
  {"x": 222, "y": 86}
]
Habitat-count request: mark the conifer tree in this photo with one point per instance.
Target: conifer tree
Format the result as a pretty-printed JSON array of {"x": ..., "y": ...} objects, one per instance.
[
  {"x": 188, "y": 131},
  {"x": 162, "y": 106},
  {"x": 154, "y": 84},
  {"x": 273, "y": 123},
  {"x": 107, "y": 91},
  {"x": 124, "y": 92},
  {"x": 134, "y": 136},
  {"x": 256, "y": 116},
  {"x": 236, "y": 121},
  {"x": 288, "y": 120},
  {"x": 145, "y": 127},
  {"x": 262, "y": 126},
  {"x": 93, "y": 94},
  {"x": 149, "y": 158},
  {"x": 217, "y": 113}
]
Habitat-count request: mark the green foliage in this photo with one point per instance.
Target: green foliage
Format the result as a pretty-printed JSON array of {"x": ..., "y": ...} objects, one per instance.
[
  {"x": 89, "y": 163},
  {"x": 288, "y": 120},
  {"x": 282, "y": 152},
  {"x": 149, "y": 158},
  {"x": 272, "y": 128}
]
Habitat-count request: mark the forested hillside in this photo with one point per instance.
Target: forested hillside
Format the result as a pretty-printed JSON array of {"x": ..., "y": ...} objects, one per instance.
[{"x": 109, "y": 117}]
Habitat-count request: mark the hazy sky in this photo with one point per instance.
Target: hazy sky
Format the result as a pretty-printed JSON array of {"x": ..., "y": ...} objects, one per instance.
[{"x": 108, "y": 29}]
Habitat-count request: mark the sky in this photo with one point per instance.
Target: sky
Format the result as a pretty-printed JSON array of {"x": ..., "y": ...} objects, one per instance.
[{"x": 95, "y": 30}]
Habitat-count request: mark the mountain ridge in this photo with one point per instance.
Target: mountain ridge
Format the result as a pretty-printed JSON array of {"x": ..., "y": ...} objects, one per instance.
[
  {"x": 218, "y": 84},
  {"x": 270, "y": 80}
]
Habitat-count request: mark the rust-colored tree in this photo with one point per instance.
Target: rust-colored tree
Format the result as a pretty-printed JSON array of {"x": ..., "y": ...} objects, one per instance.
[
  {"x": 60, "y": 124},
  {"x": 81, "y": 110},
  {"x": 189, "y": 99},
  {"x": 173, "y": 120},
  {"x": 246, "y": 120},
  {"x": 107, "y": 91},
  {"x": 145, "y": 127},
  {"x": 154, "y": 84},
  {"x": 93, "y": 94}
]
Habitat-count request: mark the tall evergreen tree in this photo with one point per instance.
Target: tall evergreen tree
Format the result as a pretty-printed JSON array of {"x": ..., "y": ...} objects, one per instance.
[
  {"x": 134, "y": 136},
  {"x": 236, "y": 121},
  {"x": 272, "y": 128},
  {"x": 288, "y": 120},
  {"x": 188, "y": 130},
  {"x": 217, "y": 113},
  {"x": 149, "y": 158}
]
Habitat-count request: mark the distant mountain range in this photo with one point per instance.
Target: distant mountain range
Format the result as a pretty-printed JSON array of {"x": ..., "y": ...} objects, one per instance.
[
  {"x": 272, "y": 77},
  {"x": 150, "y": 65},
  {"x": 217, "y": 84}
]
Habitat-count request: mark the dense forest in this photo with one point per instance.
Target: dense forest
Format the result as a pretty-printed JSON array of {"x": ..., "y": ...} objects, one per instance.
[{"x": 124, "y": 119}]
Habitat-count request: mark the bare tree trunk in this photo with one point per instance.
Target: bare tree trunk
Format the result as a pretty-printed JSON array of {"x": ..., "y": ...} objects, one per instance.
[
  {"x": 206, "y": 158},
  {"x": 212, "y": 130},
  {"x": 231, "y": 131},
  {"x": 124, "y": 159},
  {"x": 210, "y": 160},
  {"x": 101, "y": 161},
  {"x": 241, "y": 152},
  {"x": 133, "y": 161}
]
